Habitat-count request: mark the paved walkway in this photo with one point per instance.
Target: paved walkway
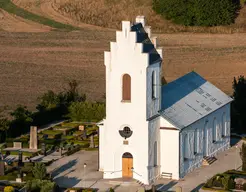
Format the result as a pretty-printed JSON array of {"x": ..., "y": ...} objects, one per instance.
[
  {"x": 70, "y": 172},
  {"x": 193, "y": 181}
]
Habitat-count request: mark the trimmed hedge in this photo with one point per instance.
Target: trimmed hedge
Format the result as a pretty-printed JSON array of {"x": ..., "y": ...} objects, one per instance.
[
  {"x": 72, "y": 151},
  {"x": 24, "y": 153}
]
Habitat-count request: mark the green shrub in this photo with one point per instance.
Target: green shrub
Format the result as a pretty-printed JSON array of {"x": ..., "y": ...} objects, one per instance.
[
  {"x": 9, "y": 189},
  {"x": 39, "y": 171},
  {"x": 74, "y": 150},
  {"x": 231, "y": 183},
  {"x": 47, "y": 186},
  {"x": 111, "y": 190},
  {"x": 17, "y": 185},
  {"x": 198, "y": 12}
]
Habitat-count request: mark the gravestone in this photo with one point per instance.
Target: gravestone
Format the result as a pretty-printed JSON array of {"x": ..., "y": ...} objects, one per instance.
[
  {"x": 17, "y": 145},
  {"x": 2, "y": 168},
  {"x": 85, "y": 134},
  {"x": 33, "y": 138},
  {"x": 43, "y": 149},
  {"x": 20, "y": 159},
  {"x": 92, "y": 145},
  {"x": 81, "y": 127}
]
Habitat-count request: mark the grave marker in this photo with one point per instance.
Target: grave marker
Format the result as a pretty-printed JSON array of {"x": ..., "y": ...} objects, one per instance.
[
  {"x": 92, "y": 145},
  {"x": 2, "y": 168},
  {"x": 33, "y": 138},
  {"x": 17, "y": 145}
]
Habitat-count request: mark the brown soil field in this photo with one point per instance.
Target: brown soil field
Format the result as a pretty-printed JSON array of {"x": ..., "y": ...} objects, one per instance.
[
  {"x": 14, "y": 23},
  {"x": 32, "y": 63},
  {"x": 109, "y": 14}
]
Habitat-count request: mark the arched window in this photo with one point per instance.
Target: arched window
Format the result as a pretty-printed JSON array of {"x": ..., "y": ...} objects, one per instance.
[
  {"x": 223, "y": 125},
  {"x": 214, "y": 131},
  {"x": 155, "y": 153},
  {"x": 196, "y": 141},
  {"x": 185, "y": 148},
  {"x": 153, "y": 81},
  {"x": 126, "y": 87}
]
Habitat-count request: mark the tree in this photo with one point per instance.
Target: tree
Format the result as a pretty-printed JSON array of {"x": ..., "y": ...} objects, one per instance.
[
  {"x": 4, "y": 124},
  {"x": 39, "y": 171},
  {"x": 22, "y": 114},
  {"x": 72, "y": 94},
  {"x": 37, "y": 185},
  {"x": 239, "y": 103},
  {"x": 80, "y": 111},
  {"x": 48, "y": 100},
  {"x": 198, "y": 12},
  {"x": 22, "y": 121}
]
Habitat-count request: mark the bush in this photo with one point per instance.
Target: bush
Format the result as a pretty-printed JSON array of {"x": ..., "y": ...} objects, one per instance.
[
  {"x": 9, "y": 189},
  {"x": 39, "y": 171},
  {"x": 244, "y": 187},
  {"x": 198, "y": 12},
  {"x": 74, "y": 150},
  {"x": 231, "y": 184}
]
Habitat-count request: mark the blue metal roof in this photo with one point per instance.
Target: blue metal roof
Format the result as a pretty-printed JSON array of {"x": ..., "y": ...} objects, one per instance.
[{"x": 190, "y": 98}]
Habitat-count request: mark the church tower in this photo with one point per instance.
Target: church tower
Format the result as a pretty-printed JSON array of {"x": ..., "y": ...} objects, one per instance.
[{"x": 133, "y": 99}]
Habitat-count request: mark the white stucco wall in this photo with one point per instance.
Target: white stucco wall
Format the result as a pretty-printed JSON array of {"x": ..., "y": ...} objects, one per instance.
[
  {"x": 154, "y": 136},
  {"x": 170, "y": 152},
  {"x": 101, "y": 144},
  {"x": 204, "y": 143},
  {"x": 165, "y": 123},
  {"x": 126, "y": 57},
  {"x": 153, "y": 105}
]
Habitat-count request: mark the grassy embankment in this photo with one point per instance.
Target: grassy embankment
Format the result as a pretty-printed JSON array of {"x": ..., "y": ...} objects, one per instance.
[{"x": 10, "y": 7}]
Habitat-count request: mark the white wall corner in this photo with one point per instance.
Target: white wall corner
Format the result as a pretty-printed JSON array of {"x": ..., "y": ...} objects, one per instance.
[
  {"x": 126, "y": 27},
  {"x": 106, "y": 58},
  {"x": 141, "y": 19},
  {"x": 133, "y": 37},
  {"x": 139, "y": 47},
  {"x": 148, "y": 30},
  {"x": 159, "y": 50}
]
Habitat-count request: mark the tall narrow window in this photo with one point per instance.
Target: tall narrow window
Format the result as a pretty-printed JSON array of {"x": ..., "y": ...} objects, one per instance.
[
  {"x": 196, "y": 141},
  {"x": 153, "y": 81},
  {"x": 126, "y": 87},
  {"x": 155, "y": 153},
  {"x": 223, "y": 125},
  {"x": 186, "y": 148},
  {"x": 214, "y": 131}
]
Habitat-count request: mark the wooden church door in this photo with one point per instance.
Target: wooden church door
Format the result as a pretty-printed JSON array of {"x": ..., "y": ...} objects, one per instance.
[{"x": 127, "y": 164}]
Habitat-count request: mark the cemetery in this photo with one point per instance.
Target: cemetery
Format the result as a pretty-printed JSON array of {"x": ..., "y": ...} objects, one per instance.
[{"x": 19, "y": 155}]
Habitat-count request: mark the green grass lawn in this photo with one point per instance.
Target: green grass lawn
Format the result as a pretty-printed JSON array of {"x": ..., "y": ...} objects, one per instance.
[{"x": 10, "y": 7}]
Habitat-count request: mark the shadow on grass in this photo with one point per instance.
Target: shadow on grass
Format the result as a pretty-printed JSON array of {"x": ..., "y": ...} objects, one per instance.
[
  {"x": 63, "y": 168},
  {"x": 10, "y": 7}
]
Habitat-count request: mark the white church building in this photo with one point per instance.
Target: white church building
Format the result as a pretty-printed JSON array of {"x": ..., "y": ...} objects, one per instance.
[{"x": 152, "y": 129}]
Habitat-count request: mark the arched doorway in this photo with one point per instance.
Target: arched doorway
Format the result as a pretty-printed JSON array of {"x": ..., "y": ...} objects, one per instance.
[{"x": 127, "y": 165}]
